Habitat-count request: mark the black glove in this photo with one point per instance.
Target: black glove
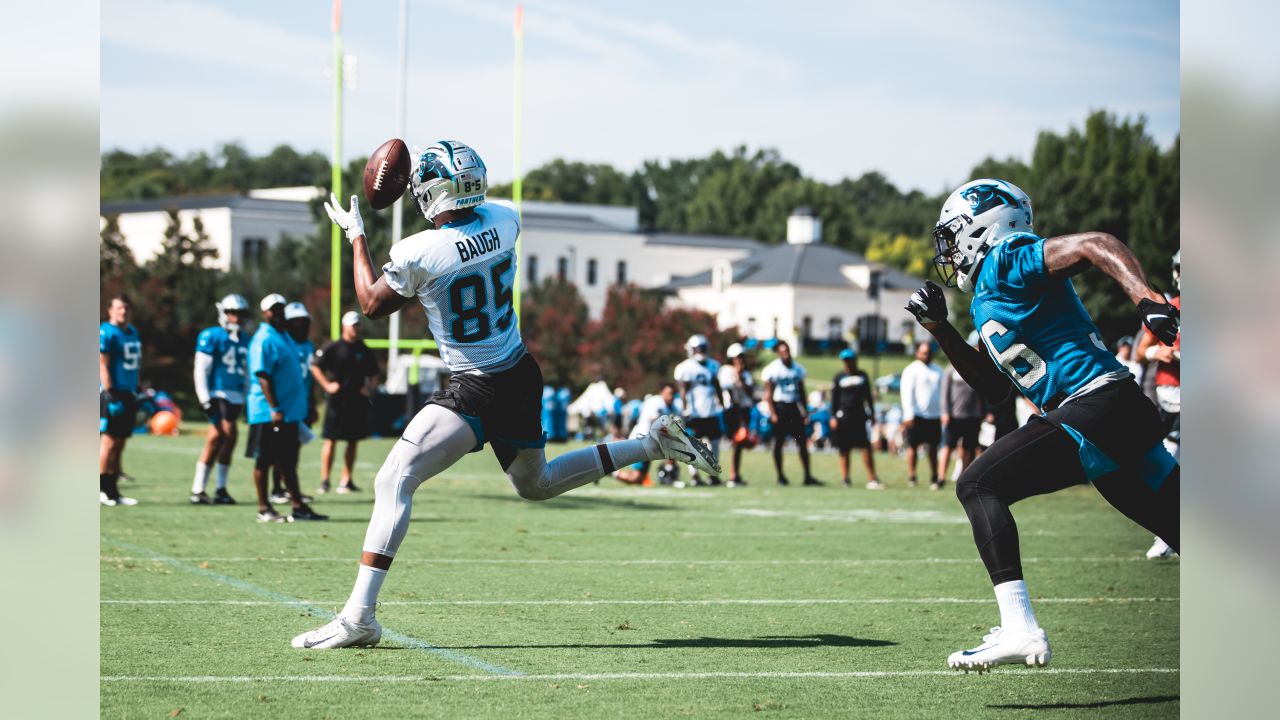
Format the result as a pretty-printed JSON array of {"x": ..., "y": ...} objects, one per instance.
[
  {"x": 210, "y": 410},
  {"x": 1162, "y": 319},
  {"x": 928, "y": 304}
]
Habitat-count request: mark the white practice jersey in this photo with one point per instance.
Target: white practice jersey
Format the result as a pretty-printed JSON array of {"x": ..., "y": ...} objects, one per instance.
[
  {"x": 463, "y": 275},
  {"x": 739, "y": 385},
  {"x": 653, "y": 408},
  {"x": 786, "y": 380},
  {"x": 700, "y": 375}
]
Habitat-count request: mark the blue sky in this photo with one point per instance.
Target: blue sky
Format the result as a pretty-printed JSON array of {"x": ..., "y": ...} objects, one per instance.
[{"x": 920, "y": 90}]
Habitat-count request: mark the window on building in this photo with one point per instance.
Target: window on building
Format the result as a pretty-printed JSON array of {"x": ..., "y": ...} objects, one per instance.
[
  {"x": 531, "y": 270},
  {"x": 872, "y": 330},
  {"x": 622, "y": 272},
  {"x": 806, "y": 327},
  {"x": 835, "y": 328},
  {"x": 562, "y": 268},
  {"x": 591, "y": 272},
  {"x": 253, "y": 251}
]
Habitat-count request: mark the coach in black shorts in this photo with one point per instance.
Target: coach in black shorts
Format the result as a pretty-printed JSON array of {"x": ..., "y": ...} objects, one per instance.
[
  {"x": 346, "y": 369},
  {"x": 851, "y": 406}
]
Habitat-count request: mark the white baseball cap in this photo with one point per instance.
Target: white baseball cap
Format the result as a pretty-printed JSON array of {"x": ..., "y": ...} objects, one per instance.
[
  {"x": 734, "y": 351},
  {"x": 271, "y": 301},
  {"x": 295, "y": 310},
  {"x": 351, "y": 317}
]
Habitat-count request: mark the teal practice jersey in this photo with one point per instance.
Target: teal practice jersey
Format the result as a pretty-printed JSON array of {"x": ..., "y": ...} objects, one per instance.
[
  {"x": 1035, "y": 328},
  {"x": 124, "y": 354},
  {"x": 228, "y": 373}
]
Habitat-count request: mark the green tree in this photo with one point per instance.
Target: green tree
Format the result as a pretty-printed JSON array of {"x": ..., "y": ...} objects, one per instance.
[
  {"x": 553, "y": 323},
  {"x": 117, "y": 268},
  {"x": 908, "y": 254}
]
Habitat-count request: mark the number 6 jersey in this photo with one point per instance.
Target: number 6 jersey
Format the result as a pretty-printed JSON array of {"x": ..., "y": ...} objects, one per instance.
[
  {"x": 463, "y": 274},
  {"x": 1035, "y": 328}
]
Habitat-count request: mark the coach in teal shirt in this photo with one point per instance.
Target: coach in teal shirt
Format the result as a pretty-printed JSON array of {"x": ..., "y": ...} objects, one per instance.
[
  {"x": 273, "y": 355},
  {"x": 277, "y": 403}
]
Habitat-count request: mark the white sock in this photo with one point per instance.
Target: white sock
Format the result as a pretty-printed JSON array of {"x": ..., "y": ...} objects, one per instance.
[
  {"x": 364, "y": 596},
  {"x": 1015, "y": 606},
  {"x": 202, "y": 477},
  {"x": 222, "y": 475}
]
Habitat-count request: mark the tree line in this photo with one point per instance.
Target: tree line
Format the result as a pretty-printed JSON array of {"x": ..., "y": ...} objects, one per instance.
[{"x": 1108, "y": 174}]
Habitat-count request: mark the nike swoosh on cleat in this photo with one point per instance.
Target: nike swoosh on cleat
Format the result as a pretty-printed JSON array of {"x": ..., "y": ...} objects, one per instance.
[
  {"x": 1157, "y": 317},
  {"x": 310, "y": 644},
  {"x": 685, "y": 453}
]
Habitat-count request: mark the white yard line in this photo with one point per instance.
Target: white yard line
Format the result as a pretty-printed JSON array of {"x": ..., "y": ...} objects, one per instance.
[
  {"x": 709, "y": 602},
  {"x": 592, "y": 677},
  {"x": 639, "y": 561}
]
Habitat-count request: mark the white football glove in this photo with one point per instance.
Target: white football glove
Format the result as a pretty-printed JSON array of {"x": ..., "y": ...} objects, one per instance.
[{"x": 349, "y": 220}]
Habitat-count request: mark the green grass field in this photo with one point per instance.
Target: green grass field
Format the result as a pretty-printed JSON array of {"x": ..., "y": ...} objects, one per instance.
[{"x": 615, "y": 601}]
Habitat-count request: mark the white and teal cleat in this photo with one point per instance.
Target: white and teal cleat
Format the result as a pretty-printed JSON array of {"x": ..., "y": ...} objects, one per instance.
[
  {"x": 339, "y": 633},
  {"x": 1004, "y": 647},
  {"x": 677, "y": 444}
]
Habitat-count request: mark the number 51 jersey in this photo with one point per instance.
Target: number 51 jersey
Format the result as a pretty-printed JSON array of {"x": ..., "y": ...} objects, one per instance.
[{"x": 463, "y": 274}]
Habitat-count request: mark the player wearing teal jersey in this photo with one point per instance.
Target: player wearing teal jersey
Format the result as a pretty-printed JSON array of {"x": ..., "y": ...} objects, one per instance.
[
  {"x": 220, "y": 374},
  {"x": 1097, "y": 427},
  {"x": 119, "y": 360}
]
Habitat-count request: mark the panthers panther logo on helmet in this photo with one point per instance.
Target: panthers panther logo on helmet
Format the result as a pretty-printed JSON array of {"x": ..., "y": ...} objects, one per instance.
[
  {"x": 449, "y": 176},
  {"x": 975, "y": 218}
]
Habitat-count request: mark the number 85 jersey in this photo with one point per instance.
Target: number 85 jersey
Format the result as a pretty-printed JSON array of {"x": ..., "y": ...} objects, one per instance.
[
  {"x": 1035, "y": 327},
  {"x": 463, "y": 274}
]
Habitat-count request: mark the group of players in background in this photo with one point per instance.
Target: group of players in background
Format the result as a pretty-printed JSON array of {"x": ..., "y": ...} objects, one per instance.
[
  {"x": 718, "y": 402},
  {"x": 272, "y": 372}
]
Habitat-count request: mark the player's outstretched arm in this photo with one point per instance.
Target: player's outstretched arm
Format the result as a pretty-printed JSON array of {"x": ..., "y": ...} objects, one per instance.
[
  {"x": 376, "y": 298},
  {"x": 1067, "y": 255},
  {"x": 929, "y": 306}
]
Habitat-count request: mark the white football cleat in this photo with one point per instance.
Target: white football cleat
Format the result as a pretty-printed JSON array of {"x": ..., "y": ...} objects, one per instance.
[
  {"x": 339, "y": 633},
  {"x": 1160, "y": 550},
  {"x": 121, "y": 500},
  {"x": 1004, "y": 647},
  {"x": 677, "y": 444}
]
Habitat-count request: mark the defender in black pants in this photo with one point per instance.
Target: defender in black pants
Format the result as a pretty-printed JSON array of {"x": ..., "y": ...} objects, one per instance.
[{"x": 1097, "y": 426}]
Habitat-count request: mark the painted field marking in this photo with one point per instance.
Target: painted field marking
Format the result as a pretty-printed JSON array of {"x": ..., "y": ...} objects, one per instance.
[
  {"x": 709, "y": 602},
  {"x": 589, "y": 677},
  {"x": 282, "y": 599},
  {"x": 854, "y": 515},
  {"x": 636, "y": 561}
]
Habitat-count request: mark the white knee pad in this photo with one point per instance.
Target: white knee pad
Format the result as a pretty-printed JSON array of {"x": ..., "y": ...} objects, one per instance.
[{"x": 435, "y": 439}]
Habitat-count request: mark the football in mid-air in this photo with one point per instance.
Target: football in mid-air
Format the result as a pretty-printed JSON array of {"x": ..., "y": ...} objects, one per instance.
[{"x": 386, "y": 175}]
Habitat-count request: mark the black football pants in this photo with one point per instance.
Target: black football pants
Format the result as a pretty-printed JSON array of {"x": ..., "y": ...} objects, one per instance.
[{"x": 1041, "y": 457}]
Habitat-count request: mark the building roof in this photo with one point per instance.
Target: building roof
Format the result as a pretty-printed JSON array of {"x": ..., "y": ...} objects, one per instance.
[
  {"x": 800, "y": 264},
  {"x": 706, "y": 241}
]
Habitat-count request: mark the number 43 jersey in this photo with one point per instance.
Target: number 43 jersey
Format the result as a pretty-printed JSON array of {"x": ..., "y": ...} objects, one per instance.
[
  {"x": 1035, "y": 327},
  {"x": 463, "y": 274}
]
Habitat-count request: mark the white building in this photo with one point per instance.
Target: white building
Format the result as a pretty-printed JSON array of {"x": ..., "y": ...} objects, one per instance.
[
  {"x": 597, "y": 246},
  {"x": 239, "y": 227},
  {"x": 803, "y": 291}
]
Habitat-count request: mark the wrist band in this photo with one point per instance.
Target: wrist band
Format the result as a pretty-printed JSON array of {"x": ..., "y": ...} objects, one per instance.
[{"x": 1151, "y": 352}]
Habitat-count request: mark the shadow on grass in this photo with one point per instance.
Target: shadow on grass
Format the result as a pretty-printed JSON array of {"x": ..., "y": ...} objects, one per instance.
[
  {"x": 1153, "y": 700},
  {"x": 767, "y": 642}
]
